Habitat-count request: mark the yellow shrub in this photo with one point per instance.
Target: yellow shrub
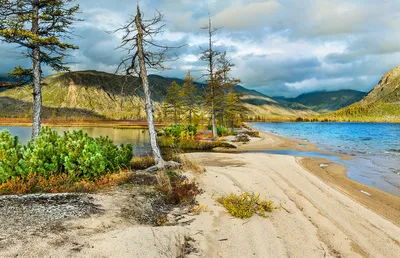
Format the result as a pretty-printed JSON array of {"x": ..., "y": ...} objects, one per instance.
[{"x": 245, "y": 205}]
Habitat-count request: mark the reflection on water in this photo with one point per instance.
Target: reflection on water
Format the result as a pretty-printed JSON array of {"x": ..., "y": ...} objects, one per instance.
[
  {"x": 374, "y": 146},
  {"x": 138, "y": 137}
]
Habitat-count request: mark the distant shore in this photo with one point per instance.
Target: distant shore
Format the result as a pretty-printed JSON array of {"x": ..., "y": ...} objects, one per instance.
[{"x": 333, "y": 174}]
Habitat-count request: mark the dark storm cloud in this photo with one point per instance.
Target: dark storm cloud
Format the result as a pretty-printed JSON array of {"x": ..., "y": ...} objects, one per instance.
[{"x": 280, "y": 47}]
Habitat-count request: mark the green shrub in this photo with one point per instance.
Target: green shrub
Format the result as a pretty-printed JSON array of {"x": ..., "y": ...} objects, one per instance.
[
  {"x": 177, "y": 131},
  {"x": 10, "y": 155},
  {"x": 222, "y": 131},
  {"x": 74, "y": 153},
  {"x": 245, "y": 205}
]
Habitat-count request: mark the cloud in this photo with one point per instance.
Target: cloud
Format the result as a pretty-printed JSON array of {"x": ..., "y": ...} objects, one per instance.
[{"x": 280, "y": 47}]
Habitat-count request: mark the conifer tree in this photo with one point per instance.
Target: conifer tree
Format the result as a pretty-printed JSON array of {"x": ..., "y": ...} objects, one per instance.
[
  {"x": 190, "y": 97},
  {"x": 224, "y": 84},
  {"x": 174, "y": 101},
  {"x": 38, "y": 26}
]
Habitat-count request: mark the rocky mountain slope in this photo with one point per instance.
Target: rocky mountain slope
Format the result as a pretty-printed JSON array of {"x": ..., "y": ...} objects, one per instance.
[{"x": 381, "y": 104}]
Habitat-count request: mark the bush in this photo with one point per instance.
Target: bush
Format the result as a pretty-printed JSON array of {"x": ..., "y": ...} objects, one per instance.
[
  {"x": 222, "y": 131},
  {"x": 75, "y": 154},
  {"x": 60, "y": 183},
  {"x": 177, "y": 189},
  {"x": 180, "y": 131},
  {"x": 10, "y": 155},
  {"x": 245, "y": 205}
]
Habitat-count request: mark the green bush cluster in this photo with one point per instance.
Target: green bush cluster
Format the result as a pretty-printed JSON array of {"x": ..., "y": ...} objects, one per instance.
[
  {"x": 178, "y": 130},
  {"x": 222, "y": 131},
  {"x": 74, "y": 153}
]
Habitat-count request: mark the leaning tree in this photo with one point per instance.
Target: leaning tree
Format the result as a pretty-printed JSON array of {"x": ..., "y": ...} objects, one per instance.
[
  {"x": 38, "y": 26},
  {"x": 143, "y": 53}
]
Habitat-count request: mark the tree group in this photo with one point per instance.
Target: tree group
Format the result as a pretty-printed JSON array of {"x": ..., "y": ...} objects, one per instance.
[{"x": 38, "y": 27}]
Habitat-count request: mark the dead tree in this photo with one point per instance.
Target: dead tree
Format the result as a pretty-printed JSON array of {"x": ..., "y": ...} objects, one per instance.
[
  {"x": 143, "y": 52},
  {"x": 210, "y": 55}
]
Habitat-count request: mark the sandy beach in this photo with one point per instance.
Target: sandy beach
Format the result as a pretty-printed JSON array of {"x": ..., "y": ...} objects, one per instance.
[{"x": 320, "y": 213}]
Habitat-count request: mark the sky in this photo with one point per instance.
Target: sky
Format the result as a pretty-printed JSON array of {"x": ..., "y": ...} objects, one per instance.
[{"x": 279, "y": 47}]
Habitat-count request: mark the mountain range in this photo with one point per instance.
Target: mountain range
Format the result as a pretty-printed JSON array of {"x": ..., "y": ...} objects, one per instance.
[
  {"x": 109, "y": 96},
  {"x": 326, "y": 101},
  {"x": 100, "y": 95}
]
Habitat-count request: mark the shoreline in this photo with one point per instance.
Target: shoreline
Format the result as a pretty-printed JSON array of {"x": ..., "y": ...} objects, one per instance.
[{"x": 334, "y": 175}]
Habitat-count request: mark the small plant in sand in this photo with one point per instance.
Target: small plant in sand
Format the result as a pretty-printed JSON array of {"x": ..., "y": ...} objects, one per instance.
[{"x": 246, "y": 205}]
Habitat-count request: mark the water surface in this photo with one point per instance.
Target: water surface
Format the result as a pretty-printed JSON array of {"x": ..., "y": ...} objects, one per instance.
[
  {"x": 138, "y": 137},
  {"x": 374, "y": 146}
]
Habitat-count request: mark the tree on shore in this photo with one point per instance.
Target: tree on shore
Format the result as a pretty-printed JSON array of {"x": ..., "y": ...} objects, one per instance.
[
  {"x": 190, "y": 97},
  {"x": 210, "y": 55},
  {"x": 227, "y": 100},
  {"x": 38, "y": 27},
  {"x": 141, "y": 54},
  {"x": 174, "y": 101}
]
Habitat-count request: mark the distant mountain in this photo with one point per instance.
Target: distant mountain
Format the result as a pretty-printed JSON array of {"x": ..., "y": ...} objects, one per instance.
[
  {"x": 381, "y": 104},
  {"x": 326, "y": 101},
  {"x": 113, "y": 96}
]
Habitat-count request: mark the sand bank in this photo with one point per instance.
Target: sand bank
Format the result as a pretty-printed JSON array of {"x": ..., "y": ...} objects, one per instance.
[{"x": 316, "y": 219}]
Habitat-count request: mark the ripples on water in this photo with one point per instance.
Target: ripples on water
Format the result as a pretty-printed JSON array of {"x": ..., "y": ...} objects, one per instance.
[{"x": 374, "y": 146}]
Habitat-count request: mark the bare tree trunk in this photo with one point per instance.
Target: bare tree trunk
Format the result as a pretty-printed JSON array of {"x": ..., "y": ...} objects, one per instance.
[
  {"x": 37, "y": 92},
  {"x": 211, "y": 64},
  {"x": 160, "y": 163}
]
